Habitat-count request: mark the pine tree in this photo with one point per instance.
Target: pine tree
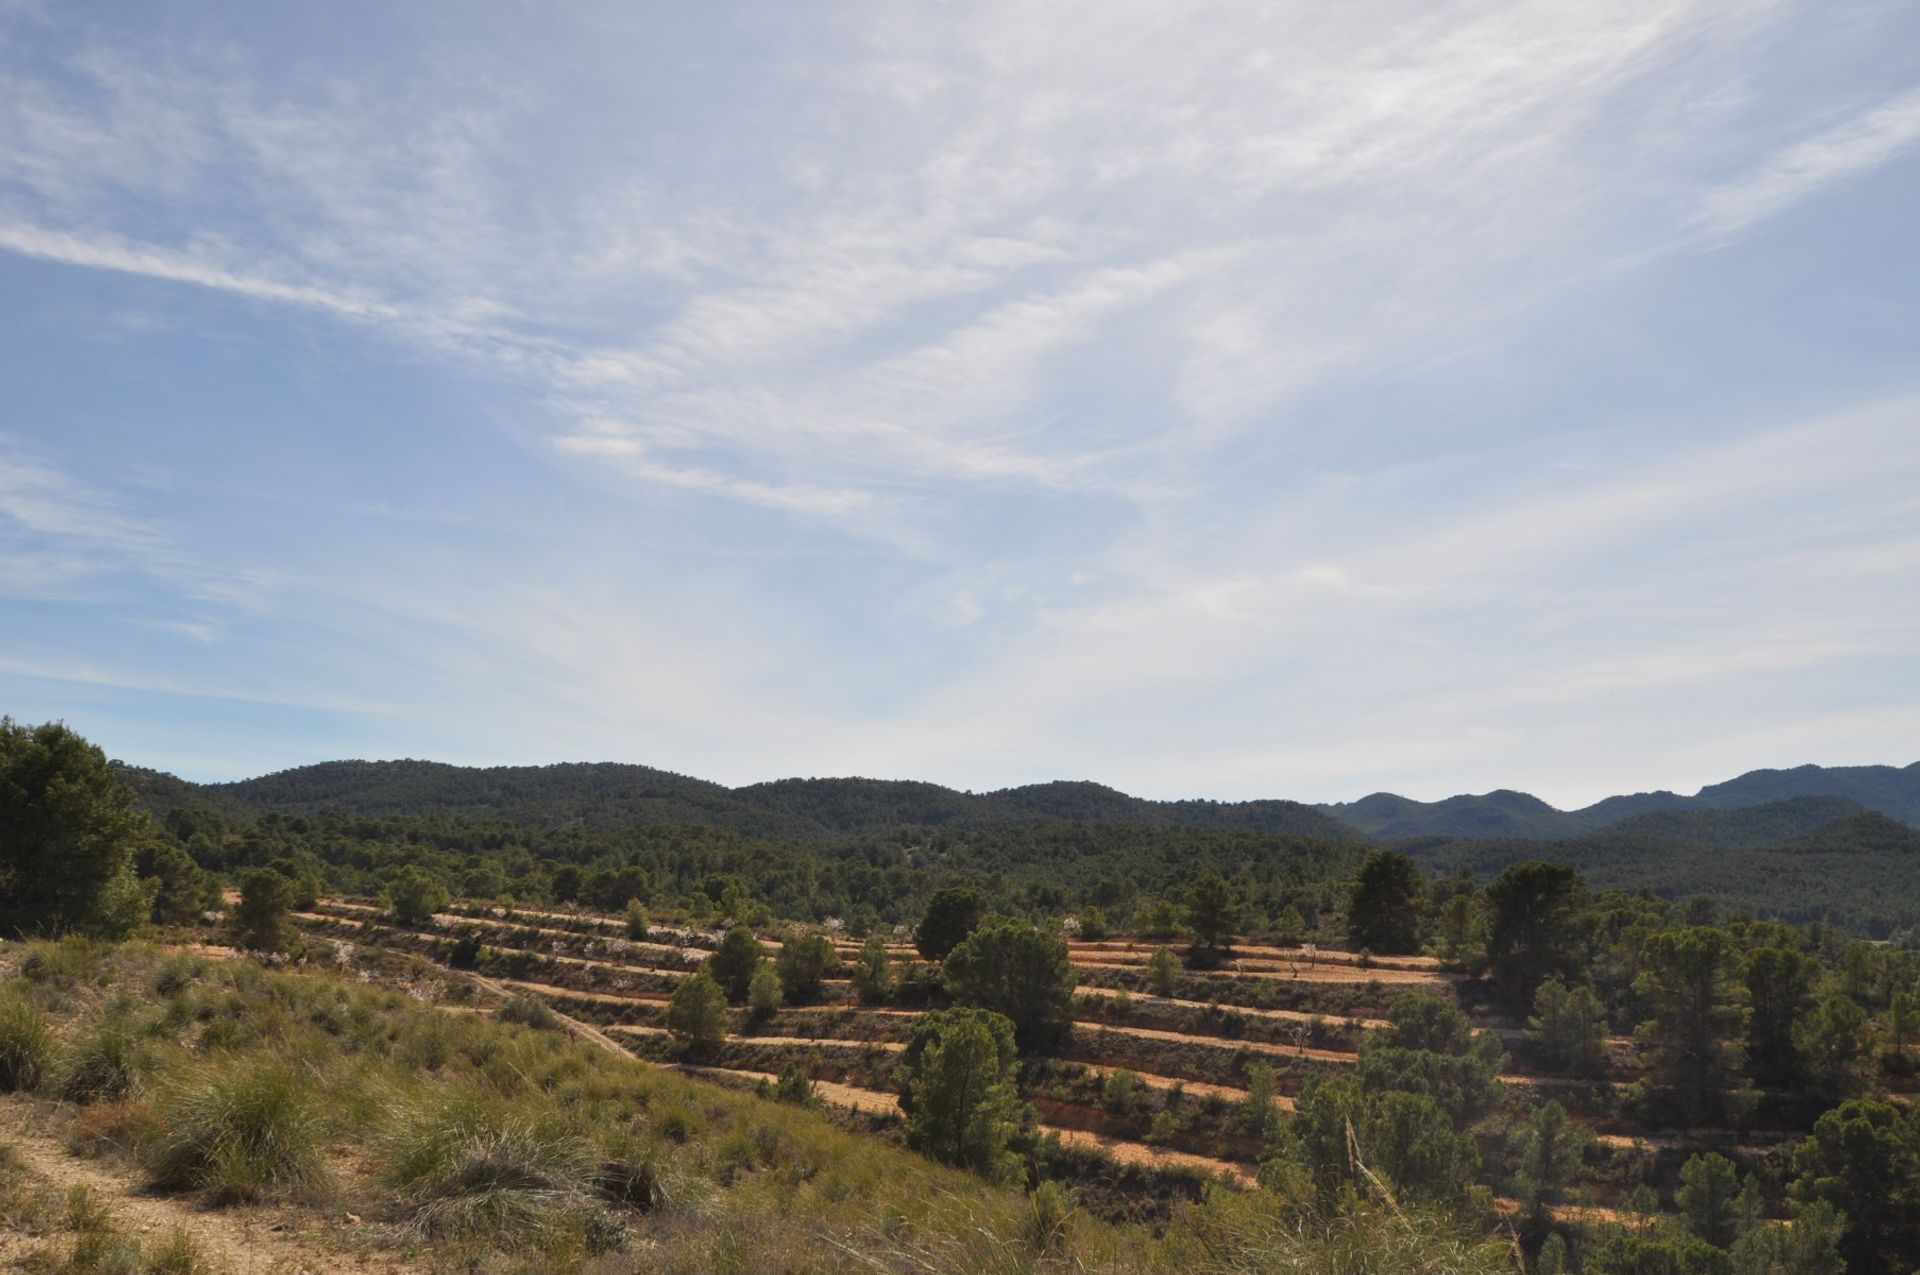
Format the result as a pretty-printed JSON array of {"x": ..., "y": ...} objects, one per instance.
[
  {"x": 697, "y": 1014},
  {"x": 1696, "y": 1035},
  {"x": 733, "y": 963}
]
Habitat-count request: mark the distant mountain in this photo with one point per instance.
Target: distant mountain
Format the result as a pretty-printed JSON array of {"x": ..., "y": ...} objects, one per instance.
[
  {"x": 1889, "y": 790},
  {"x": 608, "y": 794},
  {"x": 1810, "y": 843},
  {"x": 1385, "y": 816}
]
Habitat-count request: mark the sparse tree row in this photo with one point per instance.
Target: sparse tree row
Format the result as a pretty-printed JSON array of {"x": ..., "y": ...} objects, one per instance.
[{"x": 1650, "y": 1015}]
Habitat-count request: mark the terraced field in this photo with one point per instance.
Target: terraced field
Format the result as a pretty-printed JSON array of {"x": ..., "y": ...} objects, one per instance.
[
  {"x": 1184, "y": 1113},
  {"x": 1185, "y": 1055}
]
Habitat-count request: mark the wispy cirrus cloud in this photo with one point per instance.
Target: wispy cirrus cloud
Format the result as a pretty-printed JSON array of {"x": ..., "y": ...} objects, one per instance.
[{"x": 953, "y": 391}]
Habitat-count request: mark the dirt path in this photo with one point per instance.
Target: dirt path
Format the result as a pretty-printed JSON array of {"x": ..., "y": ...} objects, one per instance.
[
  {"x": 1199, "y": 1087},
  {"x": 1324, "y": 973},
  {"x": 1256, "y": 952},
  {"x": 252, "y": 1241},
  {"x": 1247, "y": 1011},
  {"x": 1216, "y": 1042},
  {"x": 1139, "y": 1153}
]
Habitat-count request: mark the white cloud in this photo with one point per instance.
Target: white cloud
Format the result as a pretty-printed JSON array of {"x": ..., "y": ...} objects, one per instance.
[{"x": 1856, "y": 145}]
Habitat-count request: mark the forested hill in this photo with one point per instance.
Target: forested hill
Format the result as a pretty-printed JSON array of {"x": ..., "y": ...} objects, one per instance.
[
  {"x": 1805, "y": 859},
  {"x": 608, "y": 794},
  {"x": 1889, "y": 790},
  {"x": 1833, "y": 856},
  {"x": 603, "y": 795}
]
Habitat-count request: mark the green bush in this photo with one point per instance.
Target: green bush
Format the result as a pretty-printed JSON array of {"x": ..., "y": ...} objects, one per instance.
[
  {"x": 239, "y": 1129},
  {"x": 529, "y": 1010},
  {"x": 26, "y": 1047}
]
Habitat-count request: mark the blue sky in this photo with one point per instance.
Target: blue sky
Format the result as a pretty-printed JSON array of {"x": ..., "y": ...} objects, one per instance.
[{"x": 1225, "y": 400}]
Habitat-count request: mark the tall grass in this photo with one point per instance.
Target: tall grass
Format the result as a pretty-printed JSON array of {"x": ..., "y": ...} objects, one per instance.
[
  {"x": 26, "y": 1046},
  {"x": 239, "y": 1129},
  {"x": 466, "y": 1162},
  {"x": 100, "y": 1063}
]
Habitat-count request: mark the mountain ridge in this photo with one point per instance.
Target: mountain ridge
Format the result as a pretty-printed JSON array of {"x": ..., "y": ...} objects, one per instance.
[{"x": 610, "y": 793}]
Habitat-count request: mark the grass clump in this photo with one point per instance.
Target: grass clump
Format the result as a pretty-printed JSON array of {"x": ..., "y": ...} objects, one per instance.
[
  {"x": 240, "y": 1129},
  {"x": 102, "y": 1063},
  {"x": 26, "y": 1046},
  {"x": 465, "y": 1164}
]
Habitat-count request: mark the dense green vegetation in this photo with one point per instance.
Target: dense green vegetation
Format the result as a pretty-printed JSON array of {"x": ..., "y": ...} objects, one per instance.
[{"x": 1809, "y": 859}]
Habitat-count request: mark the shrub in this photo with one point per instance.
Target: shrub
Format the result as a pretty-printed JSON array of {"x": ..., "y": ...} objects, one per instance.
[
  {"x": 873, "y": 979},
  {"x": 529, "y": 1010},
  {"x": 792, "y": 1087},
  {"x": 764, "y": 992},
  {"x": 636, "y": 920},
  {"x": 25, "y": 1045},
  {"x": 1163, "y": 971},
  {"x": 239, "y": 1129}
]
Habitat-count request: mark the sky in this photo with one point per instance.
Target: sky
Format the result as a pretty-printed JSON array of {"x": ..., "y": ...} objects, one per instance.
[{"x": 1227, "y": 400}]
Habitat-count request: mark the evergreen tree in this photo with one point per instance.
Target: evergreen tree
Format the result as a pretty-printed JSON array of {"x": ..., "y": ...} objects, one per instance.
[
  {"x": 183, "y": 891},
  {"x": 804, "y": 962},
  {"x": 1835, "y": 1045},
  {"x": 1569, "y": 1028},
  {"x": 734, "y": 962},
  {"x": 1863, "y": 1160},
  {"x": 1809, "y": 1246},
  {"x": 260, "y": 921},
  {"x": 697, "y": 1014},
  {"x": 416, "y": 895},
  {"x": 68, "y": 829},
  {"x": 1385, "y": 903},
  {"x": 1533, "y": 930},
  {"x": 1014, "y": 969},
  {"x": 764, "y": 993},
  {"x": 956, "y": 1078},
  {"x": 1547, "y": 1153},
  {"x": 952, "y": 914},
  {"x": 1709, "y": 1197},
  {"x": 1696, "y": 1034},
  {"x": 1780, "y": 983},
  {"x": 1163, "y": 971},
  {"x": 873, "y": 972},
  {"x": 1213, "y": 915}
]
